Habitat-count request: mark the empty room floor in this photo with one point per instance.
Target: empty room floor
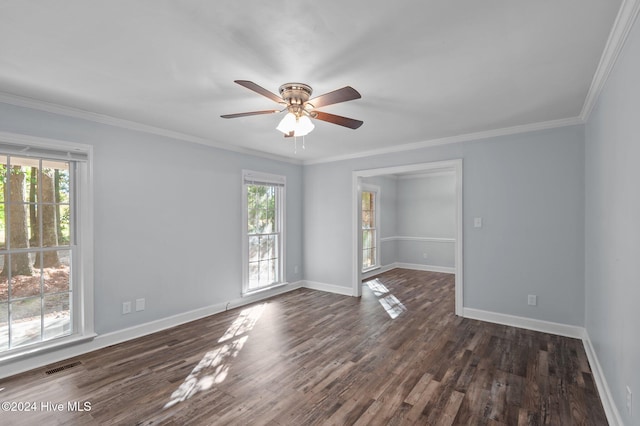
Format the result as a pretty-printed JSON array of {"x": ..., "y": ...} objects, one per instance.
[{"x": 397, "y": 355}]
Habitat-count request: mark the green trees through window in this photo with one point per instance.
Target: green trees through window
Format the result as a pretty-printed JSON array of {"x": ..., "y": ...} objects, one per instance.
[
  {"x": 263, "y": 233},
  {"x": 35, "y": 250},
  {"x": 369, "y": 230}
]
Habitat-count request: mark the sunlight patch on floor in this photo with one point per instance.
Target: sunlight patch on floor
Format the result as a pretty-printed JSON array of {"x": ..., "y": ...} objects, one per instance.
[
  {"x": 390, "y": 303},
  {"x": 214, "y": 366},
  {"x": 377, "y": 287}
]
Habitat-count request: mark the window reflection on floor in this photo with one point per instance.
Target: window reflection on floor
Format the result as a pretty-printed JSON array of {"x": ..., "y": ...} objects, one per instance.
[{"x": 390, "y": 303}]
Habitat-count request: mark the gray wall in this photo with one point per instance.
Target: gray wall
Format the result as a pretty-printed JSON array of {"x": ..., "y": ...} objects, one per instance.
[
  {"x": 529, "y": 190},
  {"x": 427, "y": 209},
  {"x": 167, "y": 217},
  {"x": 612, "y": 230}
]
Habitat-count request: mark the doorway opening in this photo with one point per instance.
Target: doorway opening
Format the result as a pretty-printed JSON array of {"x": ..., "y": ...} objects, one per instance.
[{"x": 361, "y": 183}]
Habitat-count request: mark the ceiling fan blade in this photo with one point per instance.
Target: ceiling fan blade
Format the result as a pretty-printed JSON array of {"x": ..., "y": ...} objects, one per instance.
[
  {"x": 260, "y": 90},
  {"x": 337, "y": 119},
  {"x": 347, "y": 93},
  {"x": 244, "y": 114}
]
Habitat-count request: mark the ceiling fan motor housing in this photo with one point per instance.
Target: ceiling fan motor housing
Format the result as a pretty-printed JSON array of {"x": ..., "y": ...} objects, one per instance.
[{"x": 295, "y": 95}]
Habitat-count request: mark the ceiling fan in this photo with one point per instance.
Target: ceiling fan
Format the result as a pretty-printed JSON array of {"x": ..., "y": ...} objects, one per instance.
[{"x": 300, "y": 109}]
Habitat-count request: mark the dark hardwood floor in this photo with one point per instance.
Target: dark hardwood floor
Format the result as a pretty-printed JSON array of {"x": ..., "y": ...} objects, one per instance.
[{"x": 398, "y": 355}]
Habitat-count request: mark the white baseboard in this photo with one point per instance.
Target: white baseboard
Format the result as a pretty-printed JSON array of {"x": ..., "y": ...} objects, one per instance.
[
  {"x": 573, "y": 331},
  {"x": 329, "y": 288},
  {"x": 377, "y": 271},
  {"x": 610, "y": 409},
  {"x": 430, "y": 268},
  {"x": 102, "y": 341}
]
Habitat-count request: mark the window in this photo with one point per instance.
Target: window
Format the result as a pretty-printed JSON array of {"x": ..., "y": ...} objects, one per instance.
[
  {"x": 41, "y": 284},
  {"x": 263, "y": 231},
  {"x": 370, "y": 236}
]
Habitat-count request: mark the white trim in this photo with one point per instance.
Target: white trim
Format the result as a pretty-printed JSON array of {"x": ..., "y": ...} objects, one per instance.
[
  {"x": 454, "y": 165},
  {"x": 108, "y": 339},
  {"x": 627, "y": 15},
  {"x": 469, "y": 137},
  {"x": 573, "y": 331},
  {"x": 429, "y": 268},
  {"x": 421, "y": 239},
  {"x": 21, "y": 101},
  {"x": 608, "y": 403},
  {"x": 436, "y": 173},
  {"x": 46, "y": 143},
  {"x": 377, "y": 271},
  {"x": 329, "y": 288}
]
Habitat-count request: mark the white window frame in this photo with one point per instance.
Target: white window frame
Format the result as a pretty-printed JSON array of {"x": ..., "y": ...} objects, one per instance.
[
  {"x": 365, "y": 187},
  {"x": 254, "y": 177},
  {"x": 80, "y": 157}
]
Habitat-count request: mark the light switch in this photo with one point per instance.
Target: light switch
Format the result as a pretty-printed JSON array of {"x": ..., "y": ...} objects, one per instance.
[{"x": 477, "y": 222}]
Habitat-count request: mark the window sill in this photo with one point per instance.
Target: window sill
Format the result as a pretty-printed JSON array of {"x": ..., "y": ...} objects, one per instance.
[
  {"x": 373, "y": 268},
  {"x": 45, "y": 347}
]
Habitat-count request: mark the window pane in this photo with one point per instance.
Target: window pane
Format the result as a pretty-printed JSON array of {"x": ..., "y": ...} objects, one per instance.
[
  {"x": 254, "y": 249},
  {"x": 274, "y": 246},
  {"x": 264, "y": 273},
  {"x": 273, "y": 271},
  {"x": 56, "y": 271},
  {"x": 25, "y": 321},
  {"x": 366, "y": 239},
  {"x": 366, "y": 200},
  {"x": 263, "y": 223},
  {"x": 4, "y": 326},
  {"x": 254, "y": 274},
  {"x": 25, "y": 280},
  {"x": 2, "y": 232},
  {"x": 366, "y": 258},
  {"x": 366, "y": 218},
  {"x": 265, "y": 247},
  {"x": 57, "y": 315},
  {"x": 63, "y": 212},
  {"x": 4, "y": 282},
  {"x": 271, "y": 221}
]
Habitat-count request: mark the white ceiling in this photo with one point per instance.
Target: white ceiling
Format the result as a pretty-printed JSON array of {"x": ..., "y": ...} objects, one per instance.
[{"x": 426, "y": 70}]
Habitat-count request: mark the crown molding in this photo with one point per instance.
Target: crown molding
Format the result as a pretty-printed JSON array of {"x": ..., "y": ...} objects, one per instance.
[
  {"x": 617, "y": 37},
  {"x": 58, "y": 109},
  {"x": 544, "y": 125}
]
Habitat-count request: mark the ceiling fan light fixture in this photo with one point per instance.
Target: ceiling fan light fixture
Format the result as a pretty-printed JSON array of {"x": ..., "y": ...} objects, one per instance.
[
  {"x": 304, "y": 126},
  {"x": 291, "y": 124},
  {"x": 287, "y": 124}
]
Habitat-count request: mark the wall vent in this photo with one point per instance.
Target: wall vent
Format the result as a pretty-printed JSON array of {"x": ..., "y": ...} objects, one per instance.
[{"x": 62, "y": 368}]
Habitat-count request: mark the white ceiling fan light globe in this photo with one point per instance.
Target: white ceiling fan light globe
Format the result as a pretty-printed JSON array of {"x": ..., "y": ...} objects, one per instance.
[
  {"x": 304, "y": 126},
  {"x": 287, "y": 124}
]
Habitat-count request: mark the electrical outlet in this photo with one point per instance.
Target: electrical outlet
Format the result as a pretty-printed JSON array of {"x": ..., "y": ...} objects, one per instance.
[
  {"x": 424, "y": 255},
  {"x": 140, "y": 305},
  {"x": 295, "y": 269},
  {"x": 532, "y": 300},
  {"x": 126, "y": 308},
  {"x": 629, "y": 401},
  {"x": 477, "y": 222}
]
